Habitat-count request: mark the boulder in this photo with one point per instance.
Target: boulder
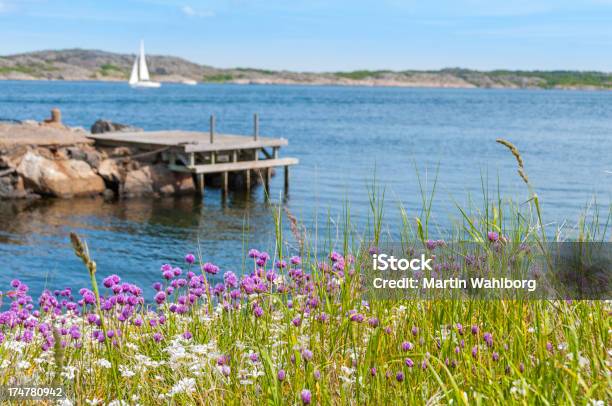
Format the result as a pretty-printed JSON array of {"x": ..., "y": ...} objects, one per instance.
[
  {"x": 76, "y": 153},
  {"x": 121, "y": 151},
  {"x": 157, "y": 179},
  {"x": 93, "y": 158},
  {"x": 110, "y": 171},
  {"x": 11, "y": 156},
  {"x": 63, "y": 178},
  {"x": 138, "y": 182},
  {"x": 11, "y": 188},
  {"x": 167, "y": 182},
  {"x": 6, "y": 186},
  {"x": 105, "y": 126},
  {"x": 108, "y": 194}
]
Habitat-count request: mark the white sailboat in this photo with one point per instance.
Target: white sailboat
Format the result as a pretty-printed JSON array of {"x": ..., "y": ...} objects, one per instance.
[{"x": 140, "y": 73}]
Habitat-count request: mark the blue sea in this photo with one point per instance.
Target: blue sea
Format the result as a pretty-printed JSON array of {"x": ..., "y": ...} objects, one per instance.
[{"x": 346, "y": 139}]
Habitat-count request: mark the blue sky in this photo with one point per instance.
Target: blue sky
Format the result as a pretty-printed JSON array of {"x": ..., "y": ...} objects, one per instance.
[{"x": 325, "y": 35}]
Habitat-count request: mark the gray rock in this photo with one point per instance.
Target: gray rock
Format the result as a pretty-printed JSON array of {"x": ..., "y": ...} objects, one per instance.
[
  {"x": 152, "y": 179},
  {"x": 6, "y": 187},
  {"x": 167, "y": 182},
  {"x": 76, "y": 153},
  {"x": 138, "y": 182},
  {"x": 93, "y": 158},
  {"x": 12, "y": 188},
  {"x": 108, "y": 194},
  {"x": 106, "y": 126},
  {"x": 110, "y": 171},
  {"x": 63, "y": 178}
]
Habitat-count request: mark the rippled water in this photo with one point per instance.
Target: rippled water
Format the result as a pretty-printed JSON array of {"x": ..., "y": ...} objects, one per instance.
[{"x": 342, "y": 136}]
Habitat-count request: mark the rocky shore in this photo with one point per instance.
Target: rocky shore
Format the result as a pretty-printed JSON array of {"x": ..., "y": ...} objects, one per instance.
[
  {"x": 48, "y": 159},
  {"x": 88, "y": 65}
]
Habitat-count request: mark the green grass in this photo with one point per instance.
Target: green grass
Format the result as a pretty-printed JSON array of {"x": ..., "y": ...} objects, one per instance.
[
  {"x": 547, "y": 79},
  {"x": 108, "y": 69},
  {"x": 36, "y": 69},
  {"x": 360, "y": 74},
  {"x": 253, "y": 70},
  {"x": 17, "y": 68},
  {"x": 220, "y": 78}
]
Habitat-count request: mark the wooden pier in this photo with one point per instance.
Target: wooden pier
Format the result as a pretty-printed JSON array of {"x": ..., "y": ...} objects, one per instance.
[{"x": 203, "y": 153}]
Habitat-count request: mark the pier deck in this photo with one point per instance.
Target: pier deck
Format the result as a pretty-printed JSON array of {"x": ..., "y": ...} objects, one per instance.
[{"x": 203, "y": 153}]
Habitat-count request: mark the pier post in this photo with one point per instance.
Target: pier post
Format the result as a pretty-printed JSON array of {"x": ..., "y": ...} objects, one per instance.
[
  {"x": 225, "y": 181},
  {"x": 286, "y": 180},
  {"x": 212, "y": 128},
  {"x": 267, "y": 180},
  {"x": 256, "y": 126},
  {"x": 247, "y": 177},
  {"x": 200, "y": 183}
]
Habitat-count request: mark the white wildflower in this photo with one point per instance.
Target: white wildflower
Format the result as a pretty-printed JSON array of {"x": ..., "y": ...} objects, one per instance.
[
  {"x": 22, "y": 365},
  {"x": 518, "y": 388},
  {"x": 186, "y": 385},
  {"x": 582, "y": 361},
  {"x": 125, "y": 371},
  {"x": 104, "y": 363},
  {"x": 346, "y": 370},
  {"x": 199, "y": 349},
  {"x": 93, "y": 402},
  {"x": 347, "y": 376},
  {"x": 15, "y": 346},
  {"x": 257, "y": 373},
  {"x": 68, "y": 372},
  {"x": 118, "y": 403},
  {"x": 131, "y": 346},
  {"x": 279, "y": 280},
  {"x": 39, "y": 360}
]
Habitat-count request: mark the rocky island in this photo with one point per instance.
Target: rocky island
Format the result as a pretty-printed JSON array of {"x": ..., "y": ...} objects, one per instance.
[{"x": 80, "y": 64}]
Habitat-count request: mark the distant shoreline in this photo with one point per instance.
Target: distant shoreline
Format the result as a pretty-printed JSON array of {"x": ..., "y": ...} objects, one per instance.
[
  {"x": 94, "y": 65},
  {"x": 315, "y": 84}
]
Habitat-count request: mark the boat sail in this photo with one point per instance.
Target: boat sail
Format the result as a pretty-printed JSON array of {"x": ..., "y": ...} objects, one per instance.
[{"x": 139, "y": 78}]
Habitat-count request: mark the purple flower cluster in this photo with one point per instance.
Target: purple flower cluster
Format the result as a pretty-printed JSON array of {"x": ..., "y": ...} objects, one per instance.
[
  {"x": 433, "y": 244},
  {"x": 56, "y": 313}
]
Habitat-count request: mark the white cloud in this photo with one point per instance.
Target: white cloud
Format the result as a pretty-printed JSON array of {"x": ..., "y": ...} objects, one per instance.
[
  {"x": 191, "y": 12},
  {"x": 15, "y": 6}
]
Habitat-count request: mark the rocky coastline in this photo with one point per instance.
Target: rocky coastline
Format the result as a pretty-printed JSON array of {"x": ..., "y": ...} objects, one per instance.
[
  {"x": 95, "y": 65},
  {"x": 48, "y": 159}
]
